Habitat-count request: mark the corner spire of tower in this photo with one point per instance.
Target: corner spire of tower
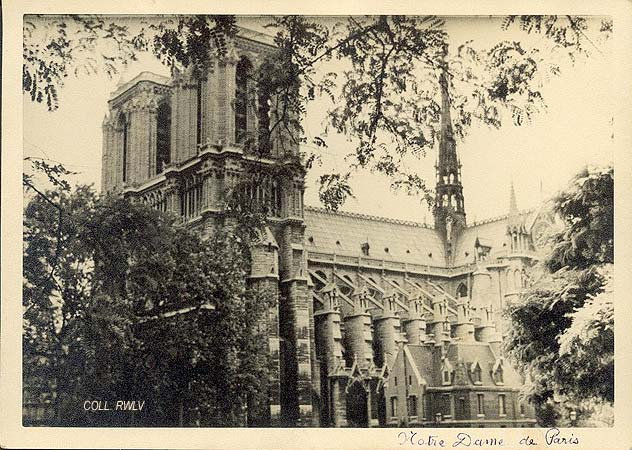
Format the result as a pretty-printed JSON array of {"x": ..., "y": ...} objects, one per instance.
[{"x": 513, "y": 205}]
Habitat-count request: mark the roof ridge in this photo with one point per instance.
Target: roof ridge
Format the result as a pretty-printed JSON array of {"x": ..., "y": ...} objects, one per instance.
[
  {"x": 369, "y": 217},
  {"x": 501, "y": 217}
]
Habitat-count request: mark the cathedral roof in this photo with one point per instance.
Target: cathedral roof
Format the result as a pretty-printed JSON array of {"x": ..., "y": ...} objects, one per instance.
[{"x": 345, "y": 233}]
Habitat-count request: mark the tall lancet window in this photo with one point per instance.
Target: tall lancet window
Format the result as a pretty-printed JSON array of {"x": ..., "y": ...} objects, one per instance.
[
  {"x": 163, "y": 138},
  {"x": 124, "y": 127},
  {"x": 242, "y": 75},
  {"x": 199, "y": 112}
]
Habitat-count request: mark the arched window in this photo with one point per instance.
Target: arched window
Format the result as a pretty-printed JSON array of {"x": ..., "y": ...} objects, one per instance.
[
  {"x": 242, "y": 74},
  {"x": 517, "y": 279},
  {"x": 163, "y": 138},
  {"x": 263, "y": 118},
  {"x": 461, "y": 291},
  {"x": 124, "y": 127},
  {"x": 451, "y": 178},
  {"x": 198, "y": 94}
]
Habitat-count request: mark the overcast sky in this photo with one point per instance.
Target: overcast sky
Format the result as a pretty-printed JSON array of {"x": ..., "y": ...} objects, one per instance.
[{"x": 575, "y": 130}]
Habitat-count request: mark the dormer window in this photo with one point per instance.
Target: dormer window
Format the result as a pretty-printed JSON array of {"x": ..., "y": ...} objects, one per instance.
[
  {"x": 498, "y": 372},
  {"x": 476, "y": 373},
  {"x": 446, "y": 372}
]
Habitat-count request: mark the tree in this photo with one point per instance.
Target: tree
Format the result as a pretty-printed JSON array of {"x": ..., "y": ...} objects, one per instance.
[
  {"x": 563, "y": 325},
  {"x": 388, "y": 101},
  {"x": 120, "y": 302}
]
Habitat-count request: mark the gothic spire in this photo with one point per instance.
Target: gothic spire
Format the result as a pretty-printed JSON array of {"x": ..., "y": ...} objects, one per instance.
[
  {"x": 513, "y": 219},
  {"x": 513, "y": 205},
  {"x": 449, "y": 210},
  {"x": 449, "y": 190}
]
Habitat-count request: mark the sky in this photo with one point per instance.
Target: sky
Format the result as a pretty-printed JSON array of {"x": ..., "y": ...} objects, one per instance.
[{"x": 539, "y": 158}]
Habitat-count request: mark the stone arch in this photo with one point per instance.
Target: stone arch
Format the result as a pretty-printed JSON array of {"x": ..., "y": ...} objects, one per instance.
[
  {"x": 461, "y": 290},
  {"x": 357, "y": 405}
]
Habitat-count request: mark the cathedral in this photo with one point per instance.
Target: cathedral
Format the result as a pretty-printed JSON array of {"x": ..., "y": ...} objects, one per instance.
[{"x": 379, "y": 322}]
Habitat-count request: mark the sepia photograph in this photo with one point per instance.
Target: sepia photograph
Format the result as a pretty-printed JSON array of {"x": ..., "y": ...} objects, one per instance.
[{"x": 396, "y": 221}]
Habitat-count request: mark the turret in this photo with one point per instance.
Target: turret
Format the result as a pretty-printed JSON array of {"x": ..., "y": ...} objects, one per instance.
[
  {"x": 327, "y": 322},
  {"x": 486, "y": 331},
  {"x": 440, "y": 325},
  {"x": 387, "y": 330},
  {"x": 414, "y": 323},
  {"x": 464, "y": 329}
]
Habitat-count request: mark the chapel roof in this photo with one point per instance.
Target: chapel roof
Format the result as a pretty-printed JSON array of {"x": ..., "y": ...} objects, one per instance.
[{"x": 461, "y": 356}]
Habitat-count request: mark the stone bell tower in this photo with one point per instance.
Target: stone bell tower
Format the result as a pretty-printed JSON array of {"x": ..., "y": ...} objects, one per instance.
[{"x": 189, "y": 144}]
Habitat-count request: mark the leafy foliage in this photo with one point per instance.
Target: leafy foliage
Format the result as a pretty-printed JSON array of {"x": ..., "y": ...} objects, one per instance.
[
  {"x": 388, "y": 100},
  {"x": 121, "y": 303},
  {"x": 334, "y": 190},
  {"x": 562, "y": 326},
  {"x": 587, "y": 209},
  {"x": 55, "y": 47}
]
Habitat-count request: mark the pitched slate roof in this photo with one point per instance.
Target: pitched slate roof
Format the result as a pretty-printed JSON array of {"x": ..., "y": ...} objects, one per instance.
[
  {"x": 344, "y": 233},
  {"x": 461, "y": 356}
]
